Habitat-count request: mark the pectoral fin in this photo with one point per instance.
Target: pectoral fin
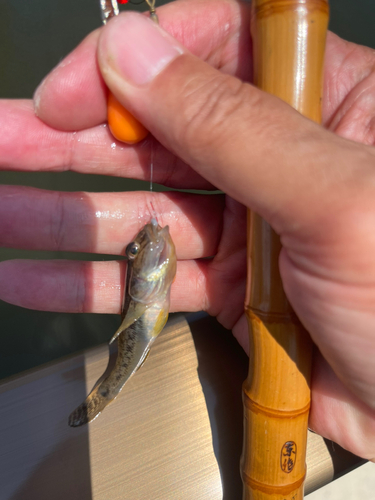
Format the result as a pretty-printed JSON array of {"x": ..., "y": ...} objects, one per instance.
[{"x": 134, "y": 312}]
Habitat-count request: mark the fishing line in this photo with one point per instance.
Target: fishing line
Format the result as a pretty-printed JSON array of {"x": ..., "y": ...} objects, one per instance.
[
  {"x": 153, "y": 212},
  {"x": 109, "y": 9},
  {"x": 151, "y": 165}
]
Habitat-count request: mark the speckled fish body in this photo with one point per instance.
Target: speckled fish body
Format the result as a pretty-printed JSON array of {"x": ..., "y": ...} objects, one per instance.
[{"x": 150, "y": 272}]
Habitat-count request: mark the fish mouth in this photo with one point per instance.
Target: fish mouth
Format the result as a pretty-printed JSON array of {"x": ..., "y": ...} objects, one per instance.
[
  {"x": 159, "y": 238},
  {"x": 157, "y": 231},
  {"x": 166, "y": 251},
  {"x": 154, "y": 226},
  {"x": 155, "y": 248},
  {"x": 152, "y": 270}
]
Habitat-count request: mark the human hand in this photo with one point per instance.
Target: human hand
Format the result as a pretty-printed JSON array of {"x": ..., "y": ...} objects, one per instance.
[{"x": 315, "y": 188}]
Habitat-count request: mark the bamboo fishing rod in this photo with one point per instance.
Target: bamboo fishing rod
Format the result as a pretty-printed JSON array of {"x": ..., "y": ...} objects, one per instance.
[{"x": 289, "y": 43}]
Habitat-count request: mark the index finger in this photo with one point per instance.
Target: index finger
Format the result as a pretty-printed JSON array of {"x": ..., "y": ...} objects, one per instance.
[
  {"x": 28, "y": 144},
  {"x": 73, "y": 96}
]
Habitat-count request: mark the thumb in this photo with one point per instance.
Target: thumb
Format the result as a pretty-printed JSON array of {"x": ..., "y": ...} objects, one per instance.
[{"x": 248, "y": 143}]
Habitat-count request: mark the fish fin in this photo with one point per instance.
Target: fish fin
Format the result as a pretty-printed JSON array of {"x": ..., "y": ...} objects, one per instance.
[
  {"x": 134, "y": 312},
  {"x": 143, "y": 360},
  {"x": 160, "y": 322}
]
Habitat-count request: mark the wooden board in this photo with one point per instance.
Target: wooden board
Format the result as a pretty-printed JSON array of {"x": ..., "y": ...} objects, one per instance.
[{"x": 173, "y": 433}]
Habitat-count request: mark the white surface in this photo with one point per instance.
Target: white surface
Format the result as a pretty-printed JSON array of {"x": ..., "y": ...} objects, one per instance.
[{"x": 357, "y": 485}]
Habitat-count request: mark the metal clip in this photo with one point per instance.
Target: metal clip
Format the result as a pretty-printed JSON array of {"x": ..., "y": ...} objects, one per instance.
[{"x": 109, "y": 8}]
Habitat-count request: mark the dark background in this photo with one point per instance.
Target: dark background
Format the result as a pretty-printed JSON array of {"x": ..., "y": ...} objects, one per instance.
[{"x": 34, "y": 36}]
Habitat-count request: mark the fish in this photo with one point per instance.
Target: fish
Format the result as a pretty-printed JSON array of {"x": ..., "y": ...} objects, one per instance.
[{"x": 151, "y": 270}]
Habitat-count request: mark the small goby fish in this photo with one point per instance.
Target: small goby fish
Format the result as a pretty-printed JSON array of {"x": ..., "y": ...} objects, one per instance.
[{"x": 150, "y": 272}]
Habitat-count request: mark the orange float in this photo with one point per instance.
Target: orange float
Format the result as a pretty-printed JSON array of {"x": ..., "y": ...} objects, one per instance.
[{"x": 123, "y": 125}]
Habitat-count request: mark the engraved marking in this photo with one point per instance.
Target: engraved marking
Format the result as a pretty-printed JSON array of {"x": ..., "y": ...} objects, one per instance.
[{"x": 288, "y": 456}]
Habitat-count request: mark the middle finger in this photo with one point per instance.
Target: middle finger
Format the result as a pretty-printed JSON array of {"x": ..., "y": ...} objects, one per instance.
[{"x": 106, "y": 222}]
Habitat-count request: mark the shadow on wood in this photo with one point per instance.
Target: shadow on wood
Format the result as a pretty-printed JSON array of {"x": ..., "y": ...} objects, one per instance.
[{"x": 174, "y": 431}]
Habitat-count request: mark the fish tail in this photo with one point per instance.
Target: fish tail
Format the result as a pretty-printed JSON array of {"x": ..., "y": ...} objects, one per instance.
[{"x": 93, "y": 405}]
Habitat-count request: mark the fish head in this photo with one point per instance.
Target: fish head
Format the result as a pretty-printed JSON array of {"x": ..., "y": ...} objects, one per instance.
[{"x": 152, "y": 261}]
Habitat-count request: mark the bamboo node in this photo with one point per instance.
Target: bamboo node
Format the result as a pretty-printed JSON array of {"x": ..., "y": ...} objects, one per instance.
[
  {"x": 270, "y": 489},
  {"x": 273, "y": 412},
  {"x": 272, "y": 317},
  {"x": 269, "y": 7}
]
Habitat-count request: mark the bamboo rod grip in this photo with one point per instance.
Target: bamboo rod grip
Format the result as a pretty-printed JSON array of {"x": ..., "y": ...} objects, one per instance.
[{"x": 289, "y": 42}]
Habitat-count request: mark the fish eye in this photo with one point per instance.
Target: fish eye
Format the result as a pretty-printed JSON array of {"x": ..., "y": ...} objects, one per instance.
[{"x": 132, "y": 250}]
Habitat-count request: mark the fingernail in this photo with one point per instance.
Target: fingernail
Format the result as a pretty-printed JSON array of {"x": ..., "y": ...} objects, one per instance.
[
  {"x": 37, "y": 97},
  {"x": 137, "y": 48}
]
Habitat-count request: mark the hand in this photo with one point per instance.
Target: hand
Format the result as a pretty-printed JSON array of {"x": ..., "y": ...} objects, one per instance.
[{"x": 315, "y": 188}]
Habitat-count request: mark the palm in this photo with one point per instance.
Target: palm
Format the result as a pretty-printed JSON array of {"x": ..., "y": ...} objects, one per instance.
[
  {"x": 348, "y": 110},
  {"x": 211, "y": 270}
]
